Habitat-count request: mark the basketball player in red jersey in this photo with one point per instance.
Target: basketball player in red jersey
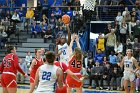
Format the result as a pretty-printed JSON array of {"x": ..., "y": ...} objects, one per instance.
[
  {"x": 36, "y": 63},
  {"x": 65, "y": 69},
  {"x": 75, "y": 65},
  {"x": 9, "y": 68}
]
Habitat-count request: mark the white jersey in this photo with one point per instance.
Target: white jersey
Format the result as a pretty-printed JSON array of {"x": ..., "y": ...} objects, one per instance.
[
  {"x": 47, "y": 79},
  {"x": 128, "y": 64},
  {"x": 64, "y": 57}
]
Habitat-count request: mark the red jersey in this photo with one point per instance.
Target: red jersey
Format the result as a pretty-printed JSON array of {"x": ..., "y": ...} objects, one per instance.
[
  {"x": 37, "y": 65},
  {"x": 34, "y": 69},
  {"x": 74, "y": 65},
  {"x": 10, "y": 64},
  {"x": 62, "y": 65}
]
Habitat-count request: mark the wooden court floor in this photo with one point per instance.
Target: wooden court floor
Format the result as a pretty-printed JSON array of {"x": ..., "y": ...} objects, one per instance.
[{"x": 25, "y": 89}]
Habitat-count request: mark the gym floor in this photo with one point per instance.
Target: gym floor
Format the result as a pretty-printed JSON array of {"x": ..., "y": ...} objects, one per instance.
[{"x": 25, "y": 88}]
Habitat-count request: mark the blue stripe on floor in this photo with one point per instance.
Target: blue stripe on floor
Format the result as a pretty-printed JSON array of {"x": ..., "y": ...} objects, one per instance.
[
  {"x": 93, "y": 91},
  {"x": 85, "y": 91}
]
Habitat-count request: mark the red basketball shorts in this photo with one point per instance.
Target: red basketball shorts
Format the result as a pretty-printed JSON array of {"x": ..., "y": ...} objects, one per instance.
[
  {"x": 61, "y": 90},
  {"x": 8, "y": 80},
  {"x": 32, "y": 77},
  {"x": 70, "y": 82}
]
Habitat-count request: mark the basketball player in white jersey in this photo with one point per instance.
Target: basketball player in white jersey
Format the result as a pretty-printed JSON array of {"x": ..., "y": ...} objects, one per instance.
[
  {"x": 48, "y": 75},
  {"x": 62, "y": 49},
  {"x": 129, "y": 62}
]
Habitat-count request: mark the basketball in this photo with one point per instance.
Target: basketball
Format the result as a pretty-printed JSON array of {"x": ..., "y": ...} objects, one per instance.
[{"x": 66, "y": 19}]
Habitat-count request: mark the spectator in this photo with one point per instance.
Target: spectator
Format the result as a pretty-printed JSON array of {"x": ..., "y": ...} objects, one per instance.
[
  {"x": 99, "y": 56},
  {"x": 111, "y": 41},
  {"x": 118, "y": 47},
  {"x": 119, "y": 56},
  {"x": 115, "y": 76},
  {"x": 35, "y": 30},
  {"x": 60, "y": 30},
  {"x": 125, "y": 12},
  {"x": 105, "y": 60},
  {"x": 113, "y": 59},
  {"x": 75, "y": 13},
  {"x": 3, "y": 39},
  {"x": 21, "y": 13},
  {"x": 96, "y": 74},
  {"x": 137, "y": 2},
  {"x": 106, "y": 75},
  {"x": 30, "y": 15},
  {"x": 132, "y": 24},
  {"x": 117, "y": 30},
  {"x": 48, "y": 34},
  {"x": 90, "y": 66},
  {"x": 8, "y": 15},
  {"x": 45, "y": 19},
  {"x": 52, "y": 21},
  {"x": 100, "y": 42},
  {"x": 57, "y": 12},
  {"x": 23, "y": 66},
  {"x": 11, "y": 29},
  {"x": 136, "y": 32},
  {"x": 123, "y": 31},
  {"x": 44, "y": 28},
  {"x": 59, "y": 23},
  {"x": 119, "y": 18},
  {"x": 137, "y": 80},
  {"x": 136, "y": 48},
  {"x": 45, "y": 8},
  {"x": 108, "y": 29},
  {"x": 15, "y": 18},
  {"x": 28, "y": 59},
  {"x": 6, "y": 23},
  {"x": 69, "y": 12},
  {"x": 128, "y": 45},
  {"x": 133, "y": 14}
]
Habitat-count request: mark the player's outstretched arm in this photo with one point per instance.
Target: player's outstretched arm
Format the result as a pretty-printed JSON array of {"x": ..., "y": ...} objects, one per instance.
[
  {"x": 71, "y": 44},
  {"x": 59, "y": 74},
  {"x": 73, "y": 75},
  {"x": 77, "y": 41},
  {"x": 69, "y": 34}
]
